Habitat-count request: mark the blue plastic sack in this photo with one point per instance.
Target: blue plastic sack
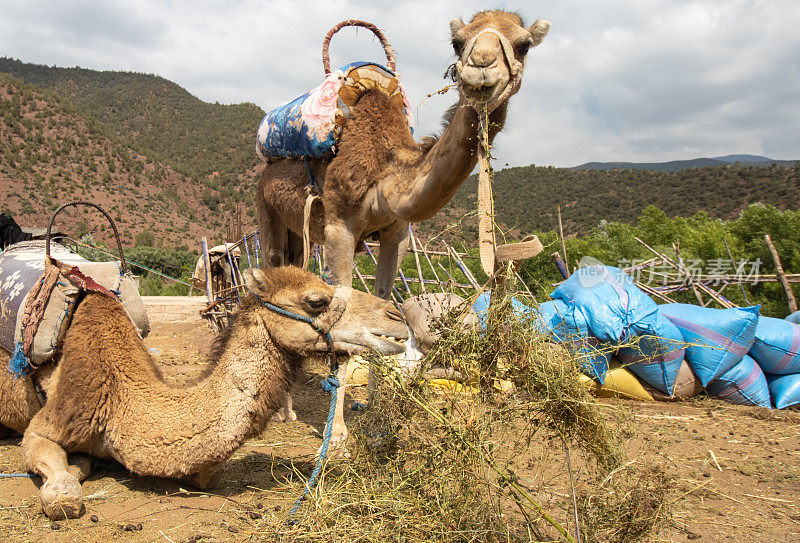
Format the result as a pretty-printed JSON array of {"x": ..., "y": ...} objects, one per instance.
[
  {"x": 614, "y": 308},
  {"x": 743, "y": 384},
  {"x": 794, "y": 317},
  {"x": 784, "y": 389},
  {"x": 481, "y": 307},
  {"x": 566, "y": 326},
  {"x": 777, "y": 346},
  {"x": 717, "y": 339},
  {"x": 657, "y": 357}
]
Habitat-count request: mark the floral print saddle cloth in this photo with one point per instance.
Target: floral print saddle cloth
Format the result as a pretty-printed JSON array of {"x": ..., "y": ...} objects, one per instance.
[{"x": 310, "y": 125}]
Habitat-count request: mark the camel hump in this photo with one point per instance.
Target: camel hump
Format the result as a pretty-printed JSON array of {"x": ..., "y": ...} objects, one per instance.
[{"x": 311, "y": 124}]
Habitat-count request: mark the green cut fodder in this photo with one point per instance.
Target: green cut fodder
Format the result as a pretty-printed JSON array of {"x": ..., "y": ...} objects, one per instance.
[{"x": 507, "y": 454}]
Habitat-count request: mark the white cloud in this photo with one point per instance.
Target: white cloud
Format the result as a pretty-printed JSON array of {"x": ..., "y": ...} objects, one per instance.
[{"x": 628, "y": 80}]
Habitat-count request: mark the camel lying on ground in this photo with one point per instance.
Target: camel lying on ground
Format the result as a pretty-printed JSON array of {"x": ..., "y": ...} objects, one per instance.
[{"x": 106, "y": 396}]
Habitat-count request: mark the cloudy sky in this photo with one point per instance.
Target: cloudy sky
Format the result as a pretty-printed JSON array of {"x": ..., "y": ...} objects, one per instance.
[{"x": 628, "y": 80}]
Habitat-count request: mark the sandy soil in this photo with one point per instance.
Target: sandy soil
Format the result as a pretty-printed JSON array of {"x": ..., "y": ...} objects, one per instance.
[{"x": 738, "y": 469}]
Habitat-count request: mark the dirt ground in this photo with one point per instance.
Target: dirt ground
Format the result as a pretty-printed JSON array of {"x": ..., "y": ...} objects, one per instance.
[{"x": 738, "y": 469}]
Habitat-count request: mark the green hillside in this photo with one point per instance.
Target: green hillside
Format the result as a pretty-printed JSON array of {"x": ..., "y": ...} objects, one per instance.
[
  {"x": 526, "y": 197},
  {"x": 210, "y": 142},
  {"x": 50, "y": 154}
]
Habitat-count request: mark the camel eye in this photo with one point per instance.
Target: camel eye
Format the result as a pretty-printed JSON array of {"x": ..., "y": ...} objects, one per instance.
[
  {"x": 458, "y": 46},
  {"x": 317, "y": 301}
]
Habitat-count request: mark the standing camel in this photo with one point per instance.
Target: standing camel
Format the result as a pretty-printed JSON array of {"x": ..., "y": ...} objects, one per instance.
[
  {"x": 105, "y": 395},
  {"x": 380, "y": 179}
]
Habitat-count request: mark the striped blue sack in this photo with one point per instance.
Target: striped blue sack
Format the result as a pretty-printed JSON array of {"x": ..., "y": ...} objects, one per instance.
[
  {"x": 717, "y": 339},
  {"x": 784, "y": 389},
  {"x": 614, "y": 308},
  {"x": 657, "y": 357},
  {"x": 567, "y": 326},
  {"x": 743, "y": 384},
  {"x": 777, "y": 346}
]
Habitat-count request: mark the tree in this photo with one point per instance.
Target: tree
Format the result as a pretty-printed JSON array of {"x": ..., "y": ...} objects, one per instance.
[{"x": 145, "y": 238}]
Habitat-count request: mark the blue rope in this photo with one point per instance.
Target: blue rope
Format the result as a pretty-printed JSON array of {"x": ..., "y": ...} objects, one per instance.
[
  {"x": 19, "y": 365},
  {"x": 12, "y": 475},
  {"x": 295, "y": 316},
  {"x": 331, "y": 384}
]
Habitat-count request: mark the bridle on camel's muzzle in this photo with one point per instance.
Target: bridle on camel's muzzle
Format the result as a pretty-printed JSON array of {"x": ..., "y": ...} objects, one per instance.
[{"x": 325, "y": 321}]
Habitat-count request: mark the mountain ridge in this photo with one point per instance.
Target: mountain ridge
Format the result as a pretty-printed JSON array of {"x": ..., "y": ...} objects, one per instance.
[{"x": 678, "y": 165}]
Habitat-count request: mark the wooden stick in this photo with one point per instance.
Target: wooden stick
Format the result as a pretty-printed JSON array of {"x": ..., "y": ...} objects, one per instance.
[
  {"x": 416, "y": 258},
  {"x": 427, "y": 258},
  {"x": 464, "y": 269},
  {"x": 781, "y": 275},
  {"x": 361, "y": 278},
  {"x": 563, "y": 242},
  {"x": 655, "y": 293},
  {"x": 209, "y": 295},
  {"x": 687, "y": 274},
  {"x": 714, "y": 458},
  {"x": 662, "y": 256},
  {"x": 433, "y": 252}
]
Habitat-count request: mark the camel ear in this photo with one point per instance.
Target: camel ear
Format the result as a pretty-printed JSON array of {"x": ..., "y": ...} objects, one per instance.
[
  {"x": 538, "y": 31},
  {"x": 456, "y": 25},
  {"x": 256, "y": 280}
]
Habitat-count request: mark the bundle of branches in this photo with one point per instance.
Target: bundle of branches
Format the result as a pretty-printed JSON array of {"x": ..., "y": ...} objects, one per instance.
[{"x": 477, "y": 463}]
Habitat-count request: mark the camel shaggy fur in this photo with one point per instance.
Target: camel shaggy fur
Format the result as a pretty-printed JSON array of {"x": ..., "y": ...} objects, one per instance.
[
  {"x": 106, "y": 396},
  {"x": 380, "y": 179}
]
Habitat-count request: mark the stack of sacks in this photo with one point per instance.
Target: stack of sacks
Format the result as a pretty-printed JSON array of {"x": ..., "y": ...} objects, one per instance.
[
  {"x": 616, "y": 310},
  {"x": 717, "y": 341},
  {"x": 568, "y": 327},
  {"x": 777, "y": 350},
  {"x": 657, "y": 357}
]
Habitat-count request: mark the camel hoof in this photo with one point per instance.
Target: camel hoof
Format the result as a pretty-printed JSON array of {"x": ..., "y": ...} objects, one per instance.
[
  {"x": 62, "y": 497},
  {"x": 206, "y": 479},
  {"x": 284, "y": 415},
  {"x": 337, "y": 448}
]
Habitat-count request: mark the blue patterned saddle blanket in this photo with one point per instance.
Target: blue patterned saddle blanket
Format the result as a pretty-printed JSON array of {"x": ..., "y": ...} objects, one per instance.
[{"x": 310, "y": 125}]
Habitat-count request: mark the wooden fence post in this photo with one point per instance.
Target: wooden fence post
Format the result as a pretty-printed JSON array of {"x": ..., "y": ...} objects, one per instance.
[{"x": 781, "y": 275}]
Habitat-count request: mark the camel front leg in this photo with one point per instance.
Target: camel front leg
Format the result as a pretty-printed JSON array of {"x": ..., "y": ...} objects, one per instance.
[
  {"x": 273, "y": 234},
  {"x": 340, "y": 245},
  {"x": 61, "y": 492},
  {"x": 337, "y": 445},
  {"x": 286, "y": 412},
  {"x": 394, "y": 245}
]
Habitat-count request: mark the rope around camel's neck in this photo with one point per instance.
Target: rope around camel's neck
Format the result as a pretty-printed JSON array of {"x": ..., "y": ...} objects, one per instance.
[{"x": 486, "y": 237}]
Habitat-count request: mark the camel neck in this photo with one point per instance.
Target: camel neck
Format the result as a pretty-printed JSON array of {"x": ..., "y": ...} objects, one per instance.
[
  {"x": 445, "y": 167},
  {"x": 204, "y": 423}
]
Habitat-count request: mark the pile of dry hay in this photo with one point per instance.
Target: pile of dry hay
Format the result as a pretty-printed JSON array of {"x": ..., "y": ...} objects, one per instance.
[{"x": 485, "y": 465}]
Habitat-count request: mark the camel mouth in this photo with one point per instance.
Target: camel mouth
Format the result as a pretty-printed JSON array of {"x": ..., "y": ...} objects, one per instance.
[
  {"x": 482, "y": 93},
  {"x": 387, "y": 343},
  {"x": 394, "y": 340}
]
